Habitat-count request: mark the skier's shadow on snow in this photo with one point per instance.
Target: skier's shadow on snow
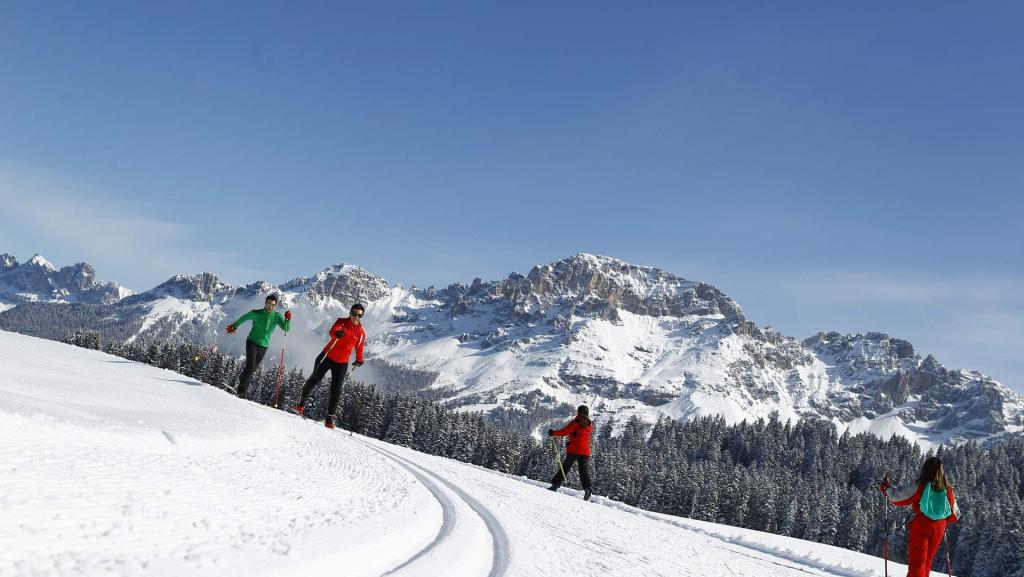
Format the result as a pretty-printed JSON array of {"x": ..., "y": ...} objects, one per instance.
[{"x": 191, "y": 383}]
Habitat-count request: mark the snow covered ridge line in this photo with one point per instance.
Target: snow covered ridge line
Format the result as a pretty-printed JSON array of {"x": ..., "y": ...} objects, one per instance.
[{"x": 587, "y": 329}]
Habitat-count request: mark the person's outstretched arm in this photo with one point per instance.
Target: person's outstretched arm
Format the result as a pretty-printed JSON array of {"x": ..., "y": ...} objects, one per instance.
[
  {"x": 902, "y": 496},
  {"x": 246, "y": 317},
  {"x": 564, "y": 431}
]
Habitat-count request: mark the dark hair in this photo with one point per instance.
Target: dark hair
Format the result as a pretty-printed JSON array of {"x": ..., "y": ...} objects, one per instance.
[
  {"x": 583, "y": 415},
  {"x": 357, "y": 306},
  {"x": 932, "y": 472},
  {"x": 273, "y": 297}
]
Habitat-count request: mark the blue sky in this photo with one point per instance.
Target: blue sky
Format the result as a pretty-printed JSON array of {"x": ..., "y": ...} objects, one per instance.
[{"x": 848, "y": 167}]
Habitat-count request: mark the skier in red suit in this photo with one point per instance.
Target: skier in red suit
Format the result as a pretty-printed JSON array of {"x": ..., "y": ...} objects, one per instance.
[
  {"x": 346, "y": 335},
  {"x": 931, "y": 497},
  {"x": 578, "y": 430}
]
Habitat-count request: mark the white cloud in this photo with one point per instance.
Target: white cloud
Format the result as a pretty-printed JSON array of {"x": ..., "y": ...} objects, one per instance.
[
  {"x": 115, "y": 235},
  {"x": 967, "y": 319},
  {"x": 911, "y": 288}
]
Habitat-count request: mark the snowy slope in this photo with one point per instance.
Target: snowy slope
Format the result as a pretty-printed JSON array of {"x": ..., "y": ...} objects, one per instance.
[{"x": 108, "y": 467}]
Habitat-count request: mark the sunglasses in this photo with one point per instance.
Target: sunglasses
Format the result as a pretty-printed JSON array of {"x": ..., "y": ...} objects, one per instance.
[{"x": 358, "y": 316}]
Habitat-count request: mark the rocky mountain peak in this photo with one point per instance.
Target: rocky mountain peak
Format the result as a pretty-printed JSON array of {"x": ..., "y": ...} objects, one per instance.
[
  {"x": 39, "y": 262},
  {"x": 345, "y": 283},
  {"x": 202, "y": 287},
  {"x": 589, "y": 279},
  {"x": 78, "y": 277},
  {"x": 37, "y": 279},
  {"x": 34, "y": 276},
  {"x": 7, "y": 262}
]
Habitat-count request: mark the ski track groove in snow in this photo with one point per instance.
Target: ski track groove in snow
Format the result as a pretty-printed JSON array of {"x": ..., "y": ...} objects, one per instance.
[
  {"x": 447, "y": 511},
  {"x": 499, "y": 539}
]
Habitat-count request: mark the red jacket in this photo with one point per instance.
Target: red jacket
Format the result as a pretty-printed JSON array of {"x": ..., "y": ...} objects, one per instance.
[
  {"x": 340, "y": 350},
  {"x": 579, "y": 437},
  {"x": 924, "y": 534}
]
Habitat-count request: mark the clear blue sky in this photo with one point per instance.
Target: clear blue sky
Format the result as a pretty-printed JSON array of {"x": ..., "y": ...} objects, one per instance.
[{"x": 840, "y": 166}]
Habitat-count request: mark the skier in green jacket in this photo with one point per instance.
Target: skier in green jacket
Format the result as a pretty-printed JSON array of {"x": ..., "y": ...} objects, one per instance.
[{"x": 264, "y": 321}]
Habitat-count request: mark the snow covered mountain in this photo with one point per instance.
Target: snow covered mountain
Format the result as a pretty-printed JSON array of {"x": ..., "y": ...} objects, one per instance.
[
  {"x": 117, "y": 468},
  {"x": 627, "y": 339},
  {"x": 39, "y": 281}
]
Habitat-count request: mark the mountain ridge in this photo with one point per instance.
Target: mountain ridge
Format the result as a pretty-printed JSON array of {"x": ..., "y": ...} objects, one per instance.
[{"x": 631, "y": 340}]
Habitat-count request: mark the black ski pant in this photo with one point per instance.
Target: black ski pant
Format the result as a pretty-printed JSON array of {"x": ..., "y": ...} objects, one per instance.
[
  {"x": 338, "y": 371},
  {"x": 584, "y": 463},
  {"x": 253, "y": 357}
]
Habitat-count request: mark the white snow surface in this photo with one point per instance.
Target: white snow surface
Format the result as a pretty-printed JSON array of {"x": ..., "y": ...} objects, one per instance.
[{"x": 109, "y": 467}]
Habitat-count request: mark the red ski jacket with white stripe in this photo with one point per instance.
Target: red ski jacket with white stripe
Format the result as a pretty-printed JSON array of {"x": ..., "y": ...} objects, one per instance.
[{"x": 340, "y": 350}]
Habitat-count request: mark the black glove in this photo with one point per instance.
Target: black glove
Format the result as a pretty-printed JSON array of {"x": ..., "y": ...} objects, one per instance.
[
  {"x": 338, "y": 334},
  {"x": 551, "y": 432},
  {"x": 357, "y": 364}
]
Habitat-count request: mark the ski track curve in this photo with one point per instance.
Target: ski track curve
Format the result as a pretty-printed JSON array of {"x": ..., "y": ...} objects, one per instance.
[
  {"x": 500, "y": 558},
  {"x": 448, "y": 514},
  {"x": 720, "y": 547}
]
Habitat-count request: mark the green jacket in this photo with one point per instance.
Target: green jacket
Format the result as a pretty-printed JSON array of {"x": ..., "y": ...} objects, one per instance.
[{"x": 263, "y": 325}]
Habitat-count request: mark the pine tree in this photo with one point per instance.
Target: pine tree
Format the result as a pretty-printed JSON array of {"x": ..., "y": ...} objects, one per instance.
[
  {"x": 853, "y": 526},
  {"x": 399, "y": 424}
]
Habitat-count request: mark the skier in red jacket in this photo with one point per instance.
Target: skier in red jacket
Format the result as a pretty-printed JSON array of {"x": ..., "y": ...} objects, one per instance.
[
  {"x": 346, "y": 334},
  {"x": 578, "y": 431},
  {"x": 932, "y": 499}
]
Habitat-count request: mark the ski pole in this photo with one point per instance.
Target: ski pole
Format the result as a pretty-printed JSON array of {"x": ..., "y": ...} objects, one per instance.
[
  {"x": 949, "y": 564},
  {"x": 323, "y": 355},
  {"x": 342, "y": 394},
  {"x": 888, "y": 531},
  {"x": 558, "y": 459},
  {"x": 280, "y": 373}
]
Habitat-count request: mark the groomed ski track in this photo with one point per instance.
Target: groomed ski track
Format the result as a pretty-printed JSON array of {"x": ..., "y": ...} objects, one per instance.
[
  {"x": 499, "y": 540},
  {"x": 109, "y": 467}
]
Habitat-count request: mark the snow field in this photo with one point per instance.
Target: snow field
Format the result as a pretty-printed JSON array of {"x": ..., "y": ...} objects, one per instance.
[
  {"x": 148, "y": 474},
  {"x": 109, "y": 467}
]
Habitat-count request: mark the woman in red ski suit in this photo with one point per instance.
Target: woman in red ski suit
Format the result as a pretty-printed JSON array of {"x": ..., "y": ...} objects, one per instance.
[
  {"x": 925, "y": 533},
  {"x": 346, "y": 335},
  {"x": 578, "y": 431}
]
